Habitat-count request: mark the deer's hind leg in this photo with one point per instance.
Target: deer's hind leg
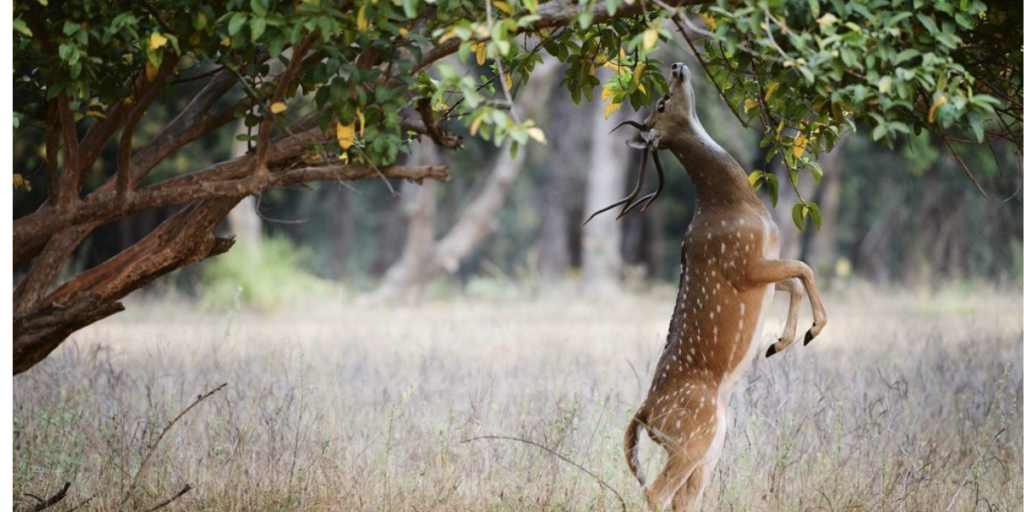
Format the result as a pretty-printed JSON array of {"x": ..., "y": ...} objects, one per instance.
[{"x": 689, "y": 436}]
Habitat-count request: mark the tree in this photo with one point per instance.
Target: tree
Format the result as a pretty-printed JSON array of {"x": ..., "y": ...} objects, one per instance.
[{"x": 360, "y": 78}]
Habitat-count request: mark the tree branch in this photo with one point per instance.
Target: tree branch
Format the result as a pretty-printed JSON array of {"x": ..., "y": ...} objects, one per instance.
[
  {"x": 124, "y": 148},
  {"x": 70, "y": 181},
  {"x": 283, "y": 80}
]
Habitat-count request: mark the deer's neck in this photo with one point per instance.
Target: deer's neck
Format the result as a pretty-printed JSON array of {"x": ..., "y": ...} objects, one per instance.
[{"x": 717, "y": 177}]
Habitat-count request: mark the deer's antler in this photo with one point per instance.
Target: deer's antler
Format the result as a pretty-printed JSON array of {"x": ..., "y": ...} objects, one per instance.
[
  {"x": 628, "y": 200},
  {"x": 629, "y": 122}
]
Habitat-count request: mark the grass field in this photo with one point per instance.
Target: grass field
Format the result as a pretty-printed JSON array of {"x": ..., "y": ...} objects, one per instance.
[{"x": 908, "y": 401}]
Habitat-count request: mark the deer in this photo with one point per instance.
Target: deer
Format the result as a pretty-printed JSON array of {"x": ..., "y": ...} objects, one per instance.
[{"x": 729, "y": 271}]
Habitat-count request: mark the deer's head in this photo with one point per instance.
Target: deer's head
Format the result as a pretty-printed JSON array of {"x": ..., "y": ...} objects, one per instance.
[{"x": 674, "y": 117}]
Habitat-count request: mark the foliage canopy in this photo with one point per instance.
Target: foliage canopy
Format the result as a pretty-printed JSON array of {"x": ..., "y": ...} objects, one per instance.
[{"x": 334, "y": 89}]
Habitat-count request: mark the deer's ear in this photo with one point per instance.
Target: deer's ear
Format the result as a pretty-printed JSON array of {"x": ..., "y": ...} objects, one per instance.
[{"x": 637, "y": 141}]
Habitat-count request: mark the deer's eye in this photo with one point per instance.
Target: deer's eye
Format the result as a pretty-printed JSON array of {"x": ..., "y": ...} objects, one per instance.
[{"x": 661, "y": 106}]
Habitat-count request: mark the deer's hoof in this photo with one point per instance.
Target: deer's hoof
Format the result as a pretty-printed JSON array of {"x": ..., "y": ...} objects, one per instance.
[{"x": 808, "y": 338}]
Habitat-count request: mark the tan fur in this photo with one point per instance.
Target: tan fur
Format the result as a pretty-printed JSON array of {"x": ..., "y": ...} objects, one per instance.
[{"x": 730, "y": 272}]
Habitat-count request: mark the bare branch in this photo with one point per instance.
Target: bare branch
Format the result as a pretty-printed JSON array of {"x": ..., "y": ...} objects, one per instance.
[
  {"x": 565, "y": 459},
  {"x": 170, "y": 500},
  {"x": 963, "y": 164},
  {"x": 48, "y": 502},
  {"x": 152, "y": 450}
]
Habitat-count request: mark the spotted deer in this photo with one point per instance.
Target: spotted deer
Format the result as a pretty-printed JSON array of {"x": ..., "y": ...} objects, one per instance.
[{"x": 729, "y": 273}]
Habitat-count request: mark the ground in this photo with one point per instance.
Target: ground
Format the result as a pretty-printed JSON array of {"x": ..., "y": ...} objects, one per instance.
[{"x": 907, "y": 401}]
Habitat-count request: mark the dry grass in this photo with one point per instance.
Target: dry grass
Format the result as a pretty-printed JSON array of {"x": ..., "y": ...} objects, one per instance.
[{"x": 910, "y": 402}]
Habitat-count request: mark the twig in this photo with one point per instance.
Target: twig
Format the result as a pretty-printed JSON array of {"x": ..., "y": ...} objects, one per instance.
[
  {"x": 556, "y": 454},
  {"x": 168, "y": 501},
  {"x": 962, "y": 163},
  {"x": 49, "y": 502},
  {"x": 82, "y": 504},
  {"x": 152, "y": 450},
  {"x": 675, "y": 21},
  {"x": 975, "y": 463}
]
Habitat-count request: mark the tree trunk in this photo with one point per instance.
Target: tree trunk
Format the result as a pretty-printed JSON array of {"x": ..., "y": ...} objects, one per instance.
[
  {"x": 561, "y": 181},
  {"x": 602, "y": 236},
  {"x": 243, "y": 221},
  {"x": 821, "y": 251},
  {"x": 419, "y": 204},
  {"x": 418, "y": 265},
  {"x": 342, "y": 226}
]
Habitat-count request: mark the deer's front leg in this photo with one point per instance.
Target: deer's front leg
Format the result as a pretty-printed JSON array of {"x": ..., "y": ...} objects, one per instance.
[
  {"x": 767, "y": 272},
  {"x": 795, "y": 290}
]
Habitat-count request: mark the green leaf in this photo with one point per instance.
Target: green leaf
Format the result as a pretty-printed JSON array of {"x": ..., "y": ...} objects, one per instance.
[
  {"x": 259, "y": 25},
  {"x": 236, "y": 23},
  {"x": 799, "y": 212},
  {"x": 815, "y": 213},
  {"x": 773, "y": 188},
  {"x": 929, "y": 24},
  {"x": 21, "y": 28}
]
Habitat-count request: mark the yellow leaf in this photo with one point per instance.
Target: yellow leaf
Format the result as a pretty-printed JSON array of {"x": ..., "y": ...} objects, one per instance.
[
  {"x": 344, "y": 157},
  {"x": 278, "y": 107},
  {"x": 403, "y": 32},
  {"x": 362, "y": 121},
  {"x": 709, "y": 21},
  {"x": 771, "y": 90},
  {"x": 828, "y": 20},
  {"x": 544, "y": 33},
  {"x": 611, "y": 108},
  {"x": 504, "y": 7},
  {"x": 753, "y": 177},
  {"x": 749, "y": 104},
  {"x": 537, "y": 134},
  {"x": 475, "y": 125},
  {"x": 226, "y": 41},
  {"x": 591, "y": 70},
  {"x": 799, "y": 144},
  {"x": 156, "y": 41},
  {"x": 195, "y": 39},
  {"x": 508, "y": 80},
  {"x": 97, "y": 114},
  {"x": 481, "y": 52},
  {"x": 935, "y": 106},
  {"x": 638, "y": 72},
  {"x": 19, "y": 181},
  {"x": 447, "y": 35},
  {"x": 600, "y": 59},
  {"x": 361, "y": 23},
  {"x": 650, "y": 38},
  {"x": 606, "y": 93},
  {"x": 885, "y": 84},
  {"x": 346, "y": 134},
  {"x": 641, "y": 88},
  {"x": 151, "y": 71}
]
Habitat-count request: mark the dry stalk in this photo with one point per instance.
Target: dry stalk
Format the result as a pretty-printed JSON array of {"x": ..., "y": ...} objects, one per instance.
[
  {"x": 560, "y": 456},
  {"x": 152, "y": 450}
]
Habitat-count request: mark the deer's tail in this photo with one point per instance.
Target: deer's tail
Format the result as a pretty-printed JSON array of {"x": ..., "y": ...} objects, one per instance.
[{"x": 631, "y": 445}]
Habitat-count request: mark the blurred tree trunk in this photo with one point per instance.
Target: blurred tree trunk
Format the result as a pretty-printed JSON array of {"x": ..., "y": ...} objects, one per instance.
[
  {"x": 243, "y": 221},
  {"x": 821, "y": 248},
  {"x": 423, "y": 260},
  {"x": 602, "y": 236},
  {"x": 558, "y": 193},
  {"x": 343, "y": 227}
]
